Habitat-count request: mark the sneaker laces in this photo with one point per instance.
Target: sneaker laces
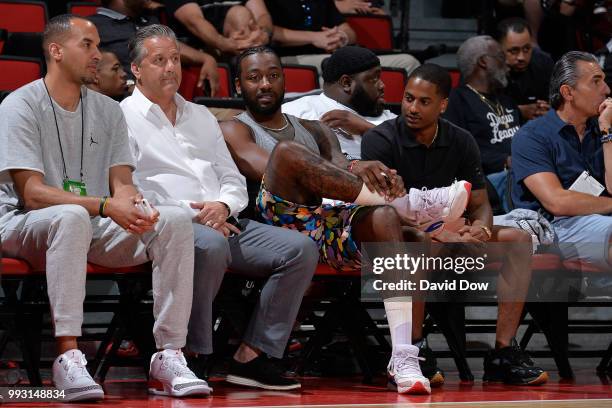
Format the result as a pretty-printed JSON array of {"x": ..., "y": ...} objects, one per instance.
[
  {"x": 75, "y": 367},
  {"x": 404, "y": 362},
  {"x": 178, "y": 365},
  {"x": 429, "y": 201},
  {"x": 522, "y": 357},
  {"x": 517, "y": 355}
]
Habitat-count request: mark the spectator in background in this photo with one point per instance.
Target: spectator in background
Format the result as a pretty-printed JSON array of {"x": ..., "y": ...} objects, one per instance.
[
  {"x": 118, "y": 20},
  {"x": 110, "y": 78},
  {"x": 480, "y": 107},
  {"x": 360, "y": 7},
  {"x": 352, "y": 100},
  {"x": 559, "y": 155},
  {"x": 217, "y": 25},
  {"x": 530, "y": 68},
  {"x": 306, "y": 32},
  {"x": 605, "y": 60}
]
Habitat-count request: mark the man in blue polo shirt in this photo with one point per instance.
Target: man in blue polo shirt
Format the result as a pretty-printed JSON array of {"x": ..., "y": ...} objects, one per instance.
[{"x": 562, "y": 161}]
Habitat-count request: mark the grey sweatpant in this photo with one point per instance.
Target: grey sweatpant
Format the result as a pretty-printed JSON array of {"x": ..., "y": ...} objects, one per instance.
[
  {"x": 286, "y": 258},
  {"x": 405, "y": 61},
  {"x": 61, "y": 239}
]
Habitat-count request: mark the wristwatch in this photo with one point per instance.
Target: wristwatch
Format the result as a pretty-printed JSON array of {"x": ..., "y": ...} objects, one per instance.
[
  {"x": 606, "y": 135},
  {"x": 229, "y": 212}
]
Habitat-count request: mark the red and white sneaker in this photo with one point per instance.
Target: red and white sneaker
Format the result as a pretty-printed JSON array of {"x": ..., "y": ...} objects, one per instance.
[
  {"x": 429, "y": 209},
  {"x": 404, "y": 371},
  {"x": 169, "y": 375}
]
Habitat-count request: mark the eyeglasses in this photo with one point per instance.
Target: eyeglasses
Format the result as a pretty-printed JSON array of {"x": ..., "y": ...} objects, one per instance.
[{"x": 307, "y": 14}]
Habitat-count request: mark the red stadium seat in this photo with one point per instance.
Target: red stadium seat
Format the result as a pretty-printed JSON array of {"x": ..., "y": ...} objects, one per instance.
[
  {"x": 373, "y": 32},
  {"x": 189, "y": 89},
  {"x": 18, "y": 71},
  {"x": 83, "y": 9},
  {"x": 395, "y": 82},
  {"x": 15, "y": 267},
  {"x": 3, "y": 35},
  {"x": 455, "y": 77},
  {"x": 23, "y": 16},
  {"x": 20, "y": 268},
  {"x": 300, "y": 78},
  {"x": 225, "y": 81},
  {"x": 324, "y": 270}
]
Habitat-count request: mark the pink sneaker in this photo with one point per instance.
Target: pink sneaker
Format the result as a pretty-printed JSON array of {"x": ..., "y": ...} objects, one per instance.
[{"x": 429, "y": 210}]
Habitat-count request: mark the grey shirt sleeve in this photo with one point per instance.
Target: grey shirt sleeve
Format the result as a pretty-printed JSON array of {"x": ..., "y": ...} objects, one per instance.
[{"x": 20, "y": 143}]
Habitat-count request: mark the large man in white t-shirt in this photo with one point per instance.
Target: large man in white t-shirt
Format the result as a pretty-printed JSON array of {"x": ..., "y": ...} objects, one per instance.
[{"x": 352, "y": 100}]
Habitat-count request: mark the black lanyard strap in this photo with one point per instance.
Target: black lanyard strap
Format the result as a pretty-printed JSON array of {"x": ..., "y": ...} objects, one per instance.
[{"x": 59, "y": 140}]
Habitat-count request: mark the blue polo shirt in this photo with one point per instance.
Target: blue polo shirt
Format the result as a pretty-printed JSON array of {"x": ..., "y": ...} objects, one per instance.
[{"x": 548, "y": 144}]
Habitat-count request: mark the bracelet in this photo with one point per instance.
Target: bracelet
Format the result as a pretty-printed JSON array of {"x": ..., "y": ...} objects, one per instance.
[
  {"x": 487, "y": 231},
  {"x": 352, "y": 165},
  {"x": 103, "y": 202}
]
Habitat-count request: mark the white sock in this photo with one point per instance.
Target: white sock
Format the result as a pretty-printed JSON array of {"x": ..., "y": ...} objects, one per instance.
[
  {"x": 399, "y": 317},
  {"x": 366, "y": 197}
]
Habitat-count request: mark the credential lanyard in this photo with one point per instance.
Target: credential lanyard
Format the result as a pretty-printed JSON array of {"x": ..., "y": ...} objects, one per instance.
[{"x": 59, "y": 140}]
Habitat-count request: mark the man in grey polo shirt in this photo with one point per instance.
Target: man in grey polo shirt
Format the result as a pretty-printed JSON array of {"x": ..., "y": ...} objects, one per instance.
[{"x": 66, "y": 198}]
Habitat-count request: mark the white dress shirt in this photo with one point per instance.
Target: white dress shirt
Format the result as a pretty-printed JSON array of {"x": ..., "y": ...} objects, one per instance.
[
  {"x": 312, "y": 107},
  {"x": 182, "y": 163}
]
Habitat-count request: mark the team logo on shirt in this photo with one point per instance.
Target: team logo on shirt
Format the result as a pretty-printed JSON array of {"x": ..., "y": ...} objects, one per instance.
[{"x": 503, "y": 127}]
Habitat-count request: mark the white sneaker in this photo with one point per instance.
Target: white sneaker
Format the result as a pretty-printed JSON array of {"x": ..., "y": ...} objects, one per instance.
[
  {"x": 405, "y": 373},
  {"x": 169, "y": 375},
  {"x": 71, "y": 376},
  {"x": 429, "y": 210}
]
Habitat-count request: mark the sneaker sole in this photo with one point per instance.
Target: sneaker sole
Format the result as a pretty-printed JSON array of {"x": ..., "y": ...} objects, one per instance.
[
  {"x": 416, "y": 388},
  {"x": 541, "y": 379},
  {"x": 158, "y": 388},
  {"x": 234, "y": 379},
  {"x": 437, "y": 380},
  {"x": 89, "y": 395}
]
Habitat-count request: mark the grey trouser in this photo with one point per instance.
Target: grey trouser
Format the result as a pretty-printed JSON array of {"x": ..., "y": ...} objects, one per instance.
[
  {"x": 405, "y": 61},
  {"x": 61, "y": 239},
  {"x": 286, "y": 258}
]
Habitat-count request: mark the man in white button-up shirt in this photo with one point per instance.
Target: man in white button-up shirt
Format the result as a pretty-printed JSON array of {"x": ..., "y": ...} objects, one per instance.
[{"x": 182, "y": 159}]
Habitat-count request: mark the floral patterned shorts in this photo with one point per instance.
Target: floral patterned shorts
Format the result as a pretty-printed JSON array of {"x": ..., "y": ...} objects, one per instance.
[{"x": 328, "y": 225}]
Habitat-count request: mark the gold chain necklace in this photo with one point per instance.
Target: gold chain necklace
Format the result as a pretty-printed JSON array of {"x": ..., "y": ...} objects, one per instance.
[
  {"x": 435, "y": 136},
  {"x": 496, "y": 108}
]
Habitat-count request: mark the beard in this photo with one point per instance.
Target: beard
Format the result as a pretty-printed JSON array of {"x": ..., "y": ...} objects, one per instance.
[
  {"x": 253, "y": 104},
  {"x": 497, "y": 78},
  {"x": 88, "y": 79},
  {"x": 363, "y": 104}
]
